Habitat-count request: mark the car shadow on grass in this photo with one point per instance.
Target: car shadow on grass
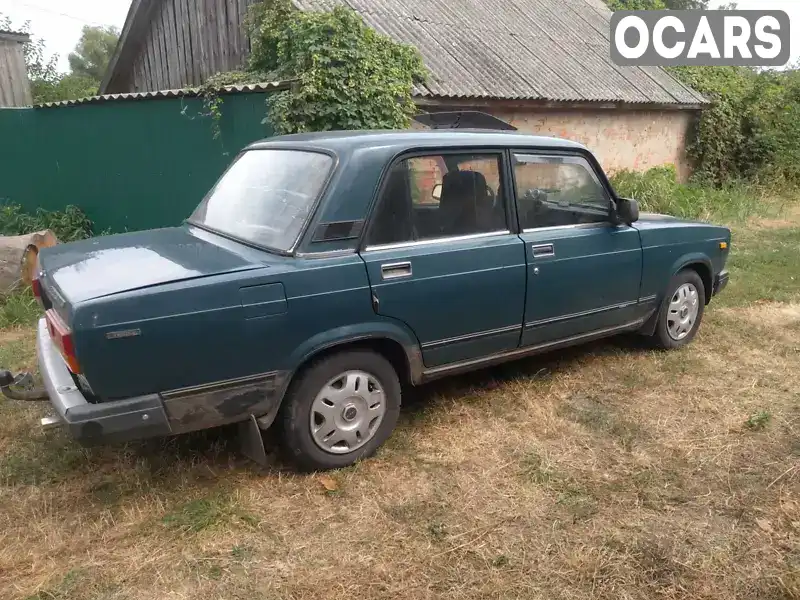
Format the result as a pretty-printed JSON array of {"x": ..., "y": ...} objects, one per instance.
[
  {"x": 425, "y": 397},
  {"x": 206, "y": 458}
]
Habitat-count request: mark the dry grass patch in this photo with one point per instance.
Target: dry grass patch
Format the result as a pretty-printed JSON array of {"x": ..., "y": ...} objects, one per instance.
[{"x": 608, "y": 471}]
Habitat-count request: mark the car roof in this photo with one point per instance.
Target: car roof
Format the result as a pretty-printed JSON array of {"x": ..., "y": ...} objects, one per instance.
[{"x": 337, "y": 141}]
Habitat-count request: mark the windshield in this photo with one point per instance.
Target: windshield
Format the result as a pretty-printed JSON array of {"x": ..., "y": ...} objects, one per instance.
[{"x": 265, "y": 196}]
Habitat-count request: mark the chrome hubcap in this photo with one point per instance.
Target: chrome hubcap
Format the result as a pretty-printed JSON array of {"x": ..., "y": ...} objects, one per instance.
[
  {"x": 347, "y": 412},
  {"x": 682, "y": 312}
]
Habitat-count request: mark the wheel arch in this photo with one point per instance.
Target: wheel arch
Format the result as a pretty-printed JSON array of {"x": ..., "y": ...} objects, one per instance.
[
  {"x": 398, "y": 355},
  {"x": 397, "y": 345},
  {"x": 702, "y": 266},
  {"x": 698, "y": 263}
]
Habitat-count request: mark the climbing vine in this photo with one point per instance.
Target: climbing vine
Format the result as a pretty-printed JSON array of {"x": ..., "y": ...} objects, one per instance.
[
  {"x": 348, "y": 76},
  {"x": 344, "y": 74},
  {"x": 212, "y": 101}
]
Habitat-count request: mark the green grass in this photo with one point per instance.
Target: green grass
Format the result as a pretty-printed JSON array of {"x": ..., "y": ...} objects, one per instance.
[
  {"x": 758, "y": 420},
  {"x": 658, "y": 191},
  {"x": 764, "y": 265},
  {"x": 197, "y": 515},
  {"x": 19, "y": 308}
]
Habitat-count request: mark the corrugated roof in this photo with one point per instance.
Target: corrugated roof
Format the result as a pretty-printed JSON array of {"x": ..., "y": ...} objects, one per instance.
[
  {"x": 16, "y": 36},
  {"x": 183, "y": 92},
  {"x": 551, "y": 50}
]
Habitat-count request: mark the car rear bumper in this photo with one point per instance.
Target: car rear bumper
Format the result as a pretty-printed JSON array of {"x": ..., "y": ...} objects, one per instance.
[
  {"x": 106, "y": 422},
  {"x": 720, "y": 281}
]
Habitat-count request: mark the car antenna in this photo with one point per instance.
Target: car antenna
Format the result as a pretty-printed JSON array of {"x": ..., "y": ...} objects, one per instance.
[{"x": 463, "y": 119}]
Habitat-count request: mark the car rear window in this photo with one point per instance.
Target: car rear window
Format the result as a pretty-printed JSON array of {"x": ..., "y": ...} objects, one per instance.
[{"x": 265, "y": 196}]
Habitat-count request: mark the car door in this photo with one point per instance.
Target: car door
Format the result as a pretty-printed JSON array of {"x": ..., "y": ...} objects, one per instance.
[
  {"x": 584, "y": 272},
  {"x": 441, "y": 257}
]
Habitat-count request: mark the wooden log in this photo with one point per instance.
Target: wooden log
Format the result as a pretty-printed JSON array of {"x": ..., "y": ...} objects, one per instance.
[{"x": 18, "y": 258}]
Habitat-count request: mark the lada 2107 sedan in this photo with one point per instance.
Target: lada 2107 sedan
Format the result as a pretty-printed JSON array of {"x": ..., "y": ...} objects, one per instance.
[{"x": 324, "y": 271}]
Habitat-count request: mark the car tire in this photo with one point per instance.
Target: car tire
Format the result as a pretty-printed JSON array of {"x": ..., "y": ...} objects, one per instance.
[
  {"x": 681, "y": 311},
  {"x": 354, "y": 396}
]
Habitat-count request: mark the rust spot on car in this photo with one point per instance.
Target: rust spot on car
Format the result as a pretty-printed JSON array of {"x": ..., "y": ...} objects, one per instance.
[{"x": 201, "y": 408}]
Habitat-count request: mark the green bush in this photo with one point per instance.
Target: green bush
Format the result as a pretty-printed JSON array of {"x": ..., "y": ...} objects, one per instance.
[
  {"x": 68, "y": 225},
  {"x": 658, "y": 190},
  {"x": 751, "y": 130}
]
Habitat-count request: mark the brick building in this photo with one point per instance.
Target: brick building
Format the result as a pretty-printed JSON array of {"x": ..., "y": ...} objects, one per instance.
[{"x": 543, "y": 65}]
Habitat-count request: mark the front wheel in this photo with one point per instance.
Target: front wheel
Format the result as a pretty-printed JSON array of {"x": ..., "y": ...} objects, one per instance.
[
  {"x": 340, "y": 410},
  {"x": 681, "y": 311}
]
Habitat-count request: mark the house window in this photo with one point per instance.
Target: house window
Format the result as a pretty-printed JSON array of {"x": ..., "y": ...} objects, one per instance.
[
  {"x": 439, "y": 196},
  {"x": 558, "y": 190}
]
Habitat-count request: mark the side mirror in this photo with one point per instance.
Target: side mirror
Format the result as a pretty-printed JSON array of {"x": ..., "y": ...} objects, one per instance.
[
  {"x": 627, "y": 210},
  {"x": 436, "y": 194}
]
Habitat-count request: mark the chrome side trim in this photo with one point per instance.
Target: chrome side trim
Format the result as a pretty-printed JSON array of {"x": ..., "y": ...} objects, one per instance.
[
  {"x": 218, "y": 385},
  {"x": 325, "y": 253},
  {"x": 648, "y": 298},
  {"x": 584, "y": 313},
  {"x": 435, "y": 241},
  {"x": 471, "y": 336},
  {"x": 501, "y": 357},
  {"x": 575, "y": 226}
]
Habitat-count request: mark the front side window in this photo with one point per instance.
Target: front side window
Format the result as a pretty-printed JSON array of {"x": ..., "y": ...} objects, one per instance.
[
  {"x": 266, "y": 196},
  {"x": 558, "y": 190},
  {"x": 439, "y": 196}
]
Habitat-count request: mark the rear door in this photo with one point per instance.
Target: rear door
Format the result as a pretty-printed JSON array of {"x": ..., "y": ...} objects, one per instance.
[
  {"x": 584, "y": 272},
  {"x": 441, "y": 257}
]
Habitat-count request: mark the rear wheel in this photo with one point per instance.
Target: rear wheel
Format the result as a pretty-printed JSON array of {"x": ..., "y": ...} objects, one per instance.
[
  {"x": 681, "y": 311},
  {"x": 340, "y": 410}
]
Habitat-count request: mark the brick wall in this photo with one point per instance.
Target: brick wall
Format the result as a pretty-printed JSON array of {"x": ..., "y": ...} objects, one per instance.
[{"x": 621, "y": 139}]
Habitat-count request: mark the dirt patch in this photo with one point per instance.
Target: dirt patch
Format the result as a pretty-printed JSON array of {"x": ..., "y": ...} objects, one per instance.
[
  {"x": 790, "y": 217},
  {"x": 770, "y": 319},
  {"x": 13, "y": 335}
]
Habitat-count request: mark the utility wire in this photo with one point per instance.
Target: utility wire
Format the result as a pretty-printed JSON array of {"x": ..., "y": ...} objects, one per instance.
[{"x": 60, "y": 14}]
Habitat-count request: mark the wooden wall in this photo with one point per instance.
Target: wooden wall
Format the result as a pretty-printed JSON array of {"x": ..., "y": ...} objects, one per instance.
[
  {"x": 185, "y": 42},
  {"x": 15, "y": 89}
]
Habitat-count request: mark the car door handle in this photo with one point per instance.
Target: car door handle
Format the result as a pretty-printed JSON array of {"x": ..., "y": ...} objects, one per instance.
[
  {"x": 543, "y": 250},
  {"x": 396, "y": 270}
]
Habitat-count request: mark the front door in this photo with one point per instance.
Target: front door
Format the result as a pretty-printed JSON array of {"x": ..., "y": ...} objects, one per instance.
[
  {"x": 584, "y": 272},
  {"x": 441, "y": 257}
]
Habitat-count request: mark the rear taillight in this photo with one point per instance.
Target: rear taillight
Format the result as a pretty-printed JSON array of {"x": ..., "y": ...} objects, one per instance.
[
  {"x": 61, "y": 335},
  {"x": 36, "y": 286}
]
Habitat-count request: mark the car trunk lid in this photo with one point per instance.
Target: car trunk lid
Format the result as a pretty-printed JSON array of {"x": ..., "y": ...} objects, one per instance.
[{"x": 112, "y": 264}]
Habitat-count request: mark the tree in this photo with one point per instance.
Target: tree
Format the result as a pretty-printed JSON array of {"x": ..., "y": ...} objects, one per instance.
[
  {"x": 686, "y": 4},
  {"x": 635, "y": 4},
  {"x": 657, "y": 4},
  {"x": 42, "y": 71},
  {"x": 93, "y": 52}
]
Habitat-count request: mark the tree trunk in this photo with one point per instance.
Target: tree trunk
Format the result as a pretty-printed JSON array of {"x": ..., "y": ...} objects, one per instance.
[{"x": 18, "y": 258}]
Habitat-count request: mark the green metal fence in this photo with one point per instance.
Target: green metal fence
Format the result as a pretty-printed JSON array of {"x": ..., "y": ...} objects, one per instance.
[{"x": 129, "y": 164}]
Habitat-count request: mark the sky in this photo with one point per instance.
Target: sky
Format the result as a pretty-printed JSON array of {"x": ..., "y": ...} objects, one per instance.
[{"x": 59, "y": 22}]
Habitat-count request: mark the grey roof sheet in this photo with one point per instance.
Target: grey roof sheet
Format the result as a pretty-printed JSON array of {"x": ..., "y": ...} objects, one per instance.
[
  {"x": 183, "y": 92},
  {"x": 552, "y": 50},
  {"x": 17, "y": 36}
]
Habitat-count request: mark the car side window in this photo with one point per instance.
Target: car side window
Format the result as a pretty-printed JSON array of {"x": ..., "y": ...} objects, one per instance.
[
  {"x": 558, "y": 190},
  {"x": 439, "y": 196}
]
